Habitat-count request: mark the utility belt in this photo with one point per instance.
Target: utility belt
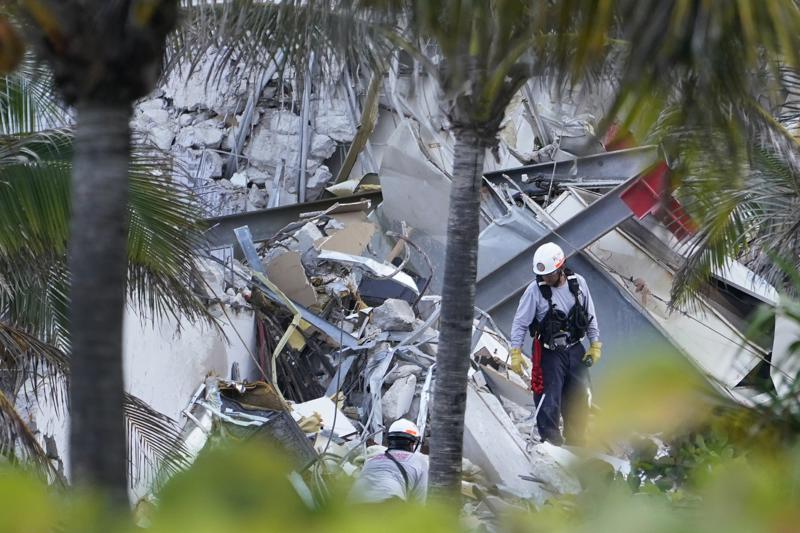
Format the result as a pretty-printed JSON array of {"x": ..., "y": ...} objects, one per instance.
[{"x": 560, "y": 342}]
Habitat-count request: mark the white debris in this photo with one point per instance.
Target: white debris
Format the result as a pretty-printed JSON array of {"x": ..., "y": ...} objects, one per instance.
[
  {"x": 397, "y": 400},
  {"x": 320, "y": 179},
  {"x": 161, "y": 137},
  {"x": 239, "y": 179},
  {"x": 393, "y": 315},
  {"x": 206, "y": 134},
  {"x": 210, "y": 166}
]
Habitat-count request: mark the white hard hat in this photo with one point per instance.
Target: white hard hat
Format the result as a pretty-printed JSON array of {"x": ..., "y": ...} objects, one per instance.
[
  {"x": 404, "y": 428},
  {"x": 548, "y": 258}
]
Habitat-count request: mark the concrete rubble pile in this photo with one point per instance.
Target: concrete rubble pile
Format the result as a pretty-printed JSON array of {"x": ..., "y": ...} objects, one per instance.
[
  {"x": 238, "y": 139},
  {"x": 347, "y": 344}
]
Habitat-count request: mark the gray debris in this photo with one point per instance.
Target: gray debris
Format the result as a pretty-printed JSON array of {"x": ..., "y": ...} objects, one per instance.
[
  {"x": 402, "y": 371},
  {"x": 393, "y": 315},
  {"x": 304, "y": 238}
]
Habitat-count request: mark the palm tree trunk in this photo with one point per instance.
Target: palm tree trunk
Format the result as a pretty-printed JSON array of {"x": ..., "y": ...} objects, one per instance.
[
  {"x": 458, "y": 298},
  {"x": 98, "y": 263}
]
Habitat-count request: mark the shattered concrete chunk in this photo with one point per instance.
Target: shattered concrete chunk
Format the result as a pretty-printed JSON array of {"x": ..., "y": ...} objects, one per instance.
[
  {"x": 185, "y": 120},
  {"x": 546, "y": 467},
  {"x": 256, "y": 198},
  {"x": 239, "y": 179},
  {"x": 257, "y": 176},
  {"x": 427, "y": 305},
  {"x": 397, "y": 400},
  {"x": 161, "y": 137},
  {"x": 322, "y": 147},
  {"x": 206, "y": 134},
  {"x": 319, "y": 179},
  {"x": 393, "y": 315},
  {"x": 305, "y": 237},
  {"x": 213, "y": 274},
  {"x": 492, "y": 442},
  {"x": 402, "y": 371}
]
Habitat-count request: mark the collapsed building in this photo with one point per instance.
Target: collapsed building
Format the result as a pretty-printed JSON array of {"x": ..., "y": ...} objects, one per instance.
[{"x": 324, "y": 261}]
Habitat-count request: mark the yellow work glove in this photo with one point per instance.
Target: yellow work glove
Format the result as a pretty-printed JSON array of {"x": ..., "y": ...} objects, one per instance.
[
  {"x": 593, "y": 353},
  {"x": 517, "y": 361}
]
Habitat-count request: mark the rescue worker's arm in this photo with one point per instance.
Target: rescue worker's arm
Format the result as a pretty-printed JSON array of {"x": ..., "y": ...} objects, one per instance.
[
  {"x": 526, "y": 311},
  {"x": 592, "y": 331}
]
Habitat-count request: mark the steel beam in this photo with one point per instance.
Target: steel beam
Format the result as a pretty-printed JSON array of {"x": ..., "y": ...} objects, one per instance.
[
  {"x": 266, "y": 222},
  {"x": 509, "y": 279},
  {"x": 618, "y": 165}
]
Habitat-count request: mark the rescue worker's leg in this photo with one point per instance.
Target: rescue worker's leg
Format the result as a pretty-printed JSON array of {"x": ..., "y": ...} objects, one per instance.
[
  {"x": 554, "y": 368},
  {"x": 575, "y": 400}
]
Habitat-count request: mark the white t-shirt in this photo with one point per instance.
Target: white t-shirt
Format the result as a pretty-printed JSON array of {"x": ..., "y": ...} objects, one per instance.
[{"x": 381, "y": 479}]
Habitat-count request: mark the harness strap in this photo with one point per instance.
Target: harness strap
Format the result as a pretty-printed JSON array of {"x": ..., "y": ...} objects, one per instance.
[{"x": 401, "y": 468}]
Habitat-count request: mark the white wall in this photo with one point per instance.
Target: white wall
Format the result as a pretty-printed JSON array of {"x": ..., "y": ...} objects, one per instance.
[{"x": 163, "y": 367}]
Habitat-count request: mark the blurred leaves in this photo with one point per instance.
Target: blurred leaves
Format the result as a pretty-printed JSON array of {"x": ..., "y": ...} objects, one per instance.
[
  {"x": 246, "y": 488},
  {"x": 661, "y": 395},
  {"x": 34, "y": 218},
  {"x": 12, "y": 46}
]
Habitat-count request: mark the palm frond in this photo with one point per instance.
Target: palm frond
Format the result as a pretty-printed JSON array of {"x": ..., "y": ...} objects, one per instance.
[
  {"x": 48, "y": 145},
  {"x": 27, "y": 100},
  {"x": 249, "y": 34},
  {"x": 34, "y": 215},
  {"x": 19, "y": 444},
  {"x": 23, "y": 354},
  {"x": 155, "y": 448},
  {"x": 752, "y": 216},
  {"x": 164, "y": 234}
]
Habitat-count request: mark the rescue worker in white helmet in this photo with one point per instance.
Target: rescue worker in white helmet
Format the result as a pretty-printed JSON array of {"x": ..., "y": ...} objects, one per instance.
[
  {"x": 400, "y": 473},
  {"x": 558, "y": 311}
]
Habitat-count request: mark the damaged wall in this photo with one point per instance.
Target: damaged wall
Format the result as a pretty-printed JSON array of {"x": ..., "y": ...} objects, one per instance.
[{"x": 163, "y": 368}]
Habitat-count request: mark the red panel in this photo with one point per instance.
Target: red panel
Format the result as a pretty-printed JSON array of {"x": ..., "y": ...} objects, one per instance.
[
  {"x": 649, "y": 195},
  {"x": 644, "y": 195}
]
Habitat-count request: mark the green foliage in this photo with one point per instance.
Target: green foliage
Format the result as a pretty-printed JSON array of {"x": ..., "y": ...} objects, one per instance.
[
  {"x": 34, "y": 218},
  {"x": 230, "y": 488},
  {"x": 247, "y": 488}
]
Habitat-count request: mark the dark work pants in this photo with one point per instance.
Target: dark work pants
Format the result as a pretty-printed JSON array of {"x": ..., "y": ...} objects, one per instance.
[{"x": 566, "y": 383}]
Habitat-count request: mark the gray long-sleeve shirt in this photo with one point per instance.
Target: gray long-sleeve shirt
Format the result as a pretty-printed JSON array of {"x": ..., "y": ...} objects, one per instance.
[
  {"x": 380, "y": 479},
  {"x": 533, "y": 304}
]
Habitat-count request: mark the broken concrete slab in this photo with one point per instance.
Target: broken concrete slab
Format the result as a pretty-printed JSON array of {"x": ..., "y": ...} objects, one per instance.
[
  {"x": 397, "y": 400},
  {"x": 304, "y": 238},
  {"x": 204, "y": 135},
  {"x": 503, "y": 385},
  {"x": 393, "y": 315},
  {"x": 256, "y": 198},
  {"x": 239, "y": 179},
  {"x": 213, "y": 274},
  {"x": 493, "y": 443},
  {"x": 287, "y": 273}
]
